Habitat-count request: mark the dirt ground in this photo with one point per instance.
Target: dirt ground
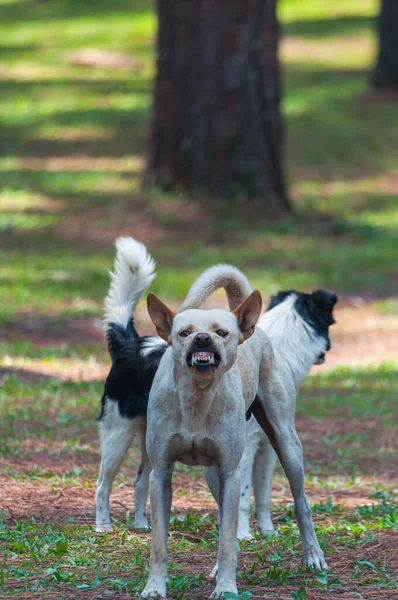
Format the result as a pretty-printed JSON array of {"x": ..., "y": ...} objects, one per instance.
[{"x": 362, "y": 336}]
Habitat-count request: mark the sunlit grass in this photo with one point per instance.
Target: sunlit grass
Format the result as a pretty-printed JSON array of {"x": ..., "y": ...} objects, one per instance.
[
  {"x": 292, "y": 11},
  {"x": 74, "y": 140},
  {"x": 355, "y": 513},
  {"x": 387, "y": 307},
  {"x": 350, "y": 51},
  {"x": 360, "y": 392}
]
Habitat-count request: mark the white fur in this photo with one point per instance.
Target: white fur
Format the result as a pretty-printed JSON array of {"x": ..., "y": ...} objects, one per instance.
[
  {"x": 293, "y": 340},
  {"x": 234, "y": 282},
  {"x": 150, "y": 344},
  {"x": 133, "y": 272}
]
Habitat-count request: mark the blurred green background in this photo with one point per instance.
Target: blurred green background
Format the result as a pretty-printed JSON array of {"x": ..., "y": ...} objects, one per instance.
[{"x": 73, "y": 142}]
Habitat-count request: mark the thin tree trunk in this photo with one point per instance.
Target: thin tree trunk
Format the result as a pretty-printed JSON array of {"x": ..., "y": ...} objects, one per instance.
[
  {"x": 386, "y": 72},
  {"x": 216, "y": 125}
]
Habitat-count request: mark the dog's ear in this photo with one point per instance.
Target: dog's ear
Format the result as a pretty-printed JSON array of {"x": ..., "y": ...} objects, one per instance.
[
  {"x": 248, "y": 313},
  {"x": 161, "y": 315},
  {"x": 324, "y": 299}
]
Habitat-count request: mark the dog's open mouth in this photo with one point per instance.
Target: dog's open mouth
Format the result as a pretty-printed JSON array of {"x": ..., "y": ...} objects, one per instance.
[{"x": 203, "y": 360}]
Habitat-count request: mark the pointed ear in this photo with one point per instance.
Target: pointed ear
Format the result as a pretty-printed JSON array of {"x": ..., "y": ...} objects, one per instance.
[
  {"x": 161, "y": 315},
  {"x": 248, "y": 313}
]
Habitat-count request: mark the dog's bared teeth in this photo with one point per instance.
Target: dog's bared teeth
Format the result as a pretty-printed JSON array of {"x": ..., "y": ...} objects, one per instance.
[{"x": 202, "y": 358}]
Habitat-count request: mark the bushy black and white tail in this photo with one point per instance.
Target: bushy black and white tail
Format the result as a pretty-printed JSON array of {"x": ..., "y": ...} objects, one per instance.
[
  {"x": 234, "y": 282},
  {"x": 133, "y": 273}
]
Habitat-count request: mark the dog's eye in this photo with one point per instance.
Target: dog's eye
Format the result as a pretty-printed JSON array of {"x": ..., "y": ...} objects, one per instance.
[
  {"x": 185, "y": 333},
  {"x": 221, "y": 332}
]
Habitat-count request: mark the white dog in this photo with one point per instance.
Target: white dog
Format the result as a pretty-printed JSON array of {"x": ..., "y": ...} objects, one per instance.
[
  {"x": 205, "y": 383},
  {"x": 196, "y": 415}
]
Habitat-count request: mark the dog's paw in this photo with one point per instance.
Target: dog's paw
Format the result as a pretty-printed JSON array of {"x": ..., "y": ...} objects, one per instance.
[
  {"x": 313, "y": 558},
  {"x": 264, "y": 532},
  {"x": 265, "y": 525},
  {"x": 151, "y": 594},
  {"x": 141, "y": 523},
  {"x": 223, "y": 587},
  {"x": 244, "y": 534},
  {"x": 155, "y": 588},
  {"x": 103, "y": 527},
  {"x": 214, "y": 571}
]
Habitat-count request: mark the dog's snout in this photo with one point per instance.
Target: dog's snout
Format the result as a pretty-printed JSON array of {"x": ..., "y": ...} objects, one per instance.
[{"x": 202, "y": 340}]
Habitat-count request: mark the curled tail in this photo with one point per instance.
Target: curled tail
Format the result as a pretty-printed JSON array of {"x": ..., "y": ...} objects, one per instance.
[
  {"x": 228, "y": 277},
  {"x": 132, "y": 275}
]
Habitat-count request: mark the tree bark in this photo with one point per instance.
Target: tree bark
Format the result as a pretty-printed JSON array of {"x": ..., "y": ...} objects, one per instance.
[
  {"x": 216, "y": 125},
  {"x": 385, "y": 74}
]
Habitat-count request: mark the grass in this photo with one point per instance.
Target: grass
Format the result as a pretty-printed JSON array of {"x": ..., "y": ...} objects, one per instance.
[
  {"x": 71, "y": 159},
  {"x": 50, "y": 453}
]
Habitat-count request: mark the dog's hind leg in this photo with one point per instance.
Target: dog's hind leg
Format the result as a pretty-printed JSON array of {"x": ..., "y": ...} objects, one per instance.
[
  {"x": 116, "y": 434},
  {"x": 279, "y": 425},
  {"x": 141, "y": 487},
  {"x": 246, "y": 469},
  {"x": 161, "y": 497},
  {"x": 263, "y": 469}
]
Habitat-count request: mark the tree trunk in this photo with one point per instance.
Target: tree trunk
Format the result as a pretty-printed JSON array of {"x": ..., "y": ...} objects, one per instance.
[
  {"x": 216, "y": 126},
  {"x": 386, "y": 72}
]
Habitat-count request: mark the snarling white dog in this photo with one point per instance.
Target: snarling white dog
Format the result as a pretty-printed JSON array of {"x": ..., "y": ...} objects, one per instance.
[{"x": 196, "y": 414}]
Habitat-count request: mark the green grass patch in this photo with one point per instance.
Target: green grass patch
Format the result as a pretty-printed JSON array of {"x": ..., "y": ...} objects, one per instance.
[{"x": 360, "y": 392}]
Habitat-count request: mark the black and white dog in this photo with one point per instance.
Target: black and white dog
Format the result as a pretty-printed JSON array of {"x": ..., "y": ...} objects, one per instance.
[{"x": 297, "y": 325}]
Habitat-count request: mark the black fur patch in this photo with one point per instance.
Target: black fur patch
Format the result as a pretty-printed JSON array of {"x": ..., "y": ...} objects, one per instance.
[
  {"x": 131, "y": 375},
  {"x": 118, "y": 336},
  {"x": 280, "y": 297}
]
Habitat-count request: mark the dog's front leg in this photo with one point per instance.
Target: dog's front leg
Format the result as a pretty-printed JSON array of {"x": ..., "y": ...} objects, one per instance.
[
  {"x": 228, "y": 516},
  {"x": 161, "y": 496}
]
